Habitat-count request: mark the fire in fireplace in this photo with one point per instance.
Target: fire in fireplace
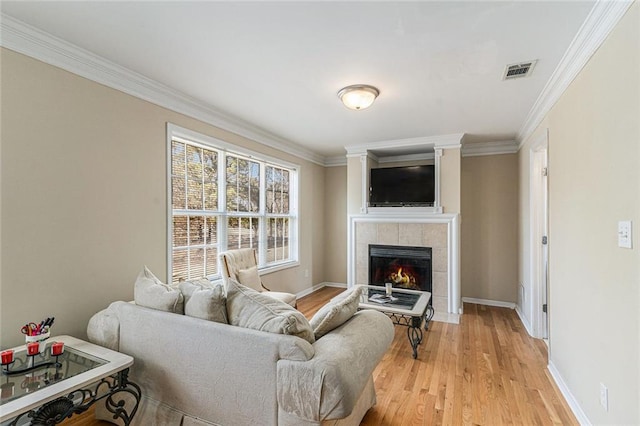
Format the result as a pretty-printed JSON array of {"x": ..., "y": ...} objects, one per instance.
[{"x": 403, "y": 266}]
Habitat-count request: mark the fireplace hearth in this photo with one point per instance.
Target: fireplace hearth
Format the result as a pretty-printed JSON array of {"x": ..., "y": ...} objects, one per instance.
[{"x": 403, "y": 266}]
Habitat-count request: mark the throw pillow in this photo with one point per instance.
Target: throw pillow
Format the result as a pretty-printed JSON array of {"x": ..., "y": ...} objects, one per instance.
[
  {"x": 336, "y": 312},
  {"x": 250, "y": 278},
  {"x": 258, "y": 311},
  {"x": 150, "y": 292},
  {"x": 204, "y": 300}
]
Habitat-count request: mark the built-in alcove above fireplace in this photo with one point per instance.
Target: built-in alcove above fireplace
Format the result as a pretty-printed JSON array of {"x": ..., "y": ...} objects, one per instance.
[{"x": 403, "y": 266}]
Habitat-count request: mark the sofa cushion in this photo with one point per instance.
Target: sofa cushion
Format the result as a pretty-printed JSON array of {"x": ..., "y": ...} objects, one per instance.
[
  {"x": 204, "y": 300},
  {"x": 150, "y": 292},
  {"x": 251, "y": 309},
  {"x": 336, "y": 312}
]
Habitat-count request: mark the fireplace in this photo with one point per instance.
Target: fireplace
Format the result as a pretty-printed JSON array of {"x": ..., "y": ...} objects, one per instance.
[{"x": 403, "y": 266}]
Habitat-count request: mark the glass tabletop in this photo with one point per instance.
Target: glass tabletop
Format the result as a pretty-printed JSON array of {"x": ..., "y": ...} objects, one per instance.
[{"x": 71, "y": 363}]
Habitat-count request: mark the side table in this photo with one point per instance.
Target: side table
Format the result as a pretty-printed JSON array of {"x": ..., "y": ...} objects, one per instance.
[{"x": 44, "y": 389}]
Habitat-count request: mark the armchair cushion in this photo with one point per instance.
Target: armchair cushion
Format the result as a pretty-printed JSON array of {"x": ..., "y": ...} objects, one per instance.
[
  {"x": 150, "y": 292},
  {"x": 204, "y": 300},
  {"x": 250, "y": 277},
  {"x": 251, "y": 309},
  {"x": 336, "y": 312}
]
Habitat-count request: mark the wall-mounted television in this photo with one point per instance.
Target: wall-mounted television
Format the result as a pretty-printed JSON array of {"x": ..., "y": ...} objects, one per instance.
[{"x": 412, "y": 186}]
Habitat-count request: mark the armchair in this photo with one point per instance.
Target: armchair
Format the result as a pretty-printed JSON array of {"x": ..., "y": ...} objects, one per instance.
[{"x": 242, "y": 266}]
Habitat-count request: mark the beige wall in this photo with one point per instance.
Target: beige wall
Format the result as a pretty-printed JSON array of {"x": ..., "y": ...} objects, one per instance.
[
  {"x": 335, "y": 217},
  {"x": 489, "y": 239},
  {"x": 83, "y": 196},
  {"x": 594, "y": 181}
]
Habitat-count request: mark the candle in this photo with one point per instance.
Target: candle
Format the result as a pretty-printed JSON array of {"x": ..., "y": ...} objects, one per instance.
[
  {"x": 7, "y": 356},
  {"x": 33, "y": 348},
  {"x": 57, "y": 348}
]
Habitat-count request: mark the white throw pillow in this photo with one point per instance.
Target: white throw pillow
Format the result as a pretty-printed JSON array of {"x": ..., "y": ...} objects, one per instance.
[
  {"x": 204, "y": 300},
  {"x": 250, "y": 278},
  {"x": 336, "y": 312},
  {"x": 251, "y": 309},
  {"x": 150, "y": 292}
]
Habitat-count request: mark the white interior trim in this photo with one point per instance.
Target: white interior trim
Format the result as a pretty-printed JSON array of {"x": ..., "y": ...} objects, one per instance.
[
  {"x": 487, "y": 302},
  {"x": 489, "y": 148},
  {"x": 568, "y": 396},
  {"x": 426, "y": 142},
  {"x": 601, "y": 20},
  {"x": 524, "y": 320}
]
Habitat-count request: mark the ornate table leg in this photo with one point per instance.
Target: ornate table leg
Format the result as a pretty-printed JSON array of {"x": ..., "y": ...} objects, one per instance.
[
  {"x": 80, "y": 400},
  {"x": 428, "y": 315},
  {"x": 414, "y": 333}
]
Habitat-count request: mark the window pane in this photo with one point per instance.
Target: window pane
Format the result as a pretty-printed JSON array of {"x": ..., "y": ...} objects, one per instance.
[
  {"x": 194, "y": 163},
  {"x": 179, "y": 231},
  {"x": 211, "y": 236},
  {"x": 210, "y": 177},
  {"x": 179, "y": 197},
  {"x": 194, "y": 192},
  {"x": 180, "y": 266},
  {"x": 196, "y": 263},
  {"x": 242, "y": 232},
  {"x": 277, "y": 190},
  {"x": 196, "y": 230},
  {"x": 177, "y": 158},
  {"x": 277, "y": 239},
  {"x": 212, "y": 261},
  {"x": 243, "y": 185}
]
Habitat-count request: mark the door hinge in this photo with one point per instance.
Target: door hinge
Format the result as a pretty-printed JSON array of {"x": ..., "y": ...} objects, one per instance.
[
  {"x": 544, "y": 240},
  {"x": 544, "y": 308},
  {"x": 545, "y": 171}
]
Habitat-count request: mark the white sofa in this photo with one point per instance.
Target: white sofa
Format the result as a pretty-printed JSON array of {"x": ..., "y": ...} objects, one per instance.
[{"x": 198, "y": 372}]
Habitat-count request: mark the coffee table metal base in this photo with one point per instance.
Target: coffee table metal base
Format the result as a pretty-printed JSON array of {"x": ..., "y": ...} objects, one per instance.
[
  {"x": 111, "y": 389},
  {"x": 414, "y": 326}
]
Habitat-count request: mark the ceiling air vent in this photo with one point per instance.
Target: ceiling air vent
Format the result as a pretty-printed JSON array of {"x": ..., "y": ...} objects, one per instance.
[{"x": 522, "y": 69}]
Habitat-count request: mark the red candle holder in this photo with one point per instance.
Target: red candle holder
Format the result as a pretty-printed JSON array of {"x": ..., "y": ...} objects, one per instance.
[
  {"x": 57, "y": 348},
  {"x": 7, "y": 356},
  {"x": 33, "y": 348}
]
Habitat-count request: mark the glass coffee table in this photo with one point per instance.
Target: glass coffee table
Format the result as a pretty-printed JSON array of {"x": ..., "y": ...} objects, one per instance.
[
  {"x": 47, "y": 389},
  {"x": 410, "y": 308}
]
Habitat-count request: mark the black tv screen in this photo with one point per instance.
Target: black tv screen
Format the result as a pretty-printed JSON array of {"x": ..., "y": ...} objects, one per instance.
[{"x": 402, "y": 186}]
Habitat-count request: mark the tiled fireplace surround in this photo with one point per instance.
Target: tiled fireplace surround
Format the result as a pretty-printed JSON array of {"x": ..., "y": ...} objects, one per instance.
[{"x": 438, "y": 232}]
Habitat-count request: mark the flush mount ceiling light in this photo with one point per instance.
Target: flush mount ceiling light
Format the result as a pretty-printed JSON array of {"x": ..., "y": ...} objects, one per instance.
[{"x": 358, "y": 96}]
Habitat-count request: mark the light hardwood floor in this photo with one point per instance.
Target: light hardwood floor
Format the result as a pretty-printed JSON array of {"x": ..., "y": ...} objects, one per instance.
[{"x": 484, "y": 371}]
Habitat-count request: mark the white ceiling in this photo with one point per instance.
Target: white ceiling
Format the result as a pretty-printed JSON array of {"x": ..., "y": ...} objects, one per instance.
[{"x": 279, "y": 65}]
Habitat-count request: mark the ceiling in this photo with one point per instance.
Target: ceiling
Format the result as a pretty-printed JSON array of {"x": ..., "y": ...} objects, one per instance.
[{"x": 279, "y": 65}]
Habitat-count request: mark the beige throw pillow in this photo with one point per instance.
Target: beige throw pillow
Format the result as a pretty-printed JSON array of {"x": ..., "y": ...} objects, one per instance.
[
  {"x": 250, "y": 278},
  {"x": 150, "y": 292},
  {"x": 251, "y": 309},
  {"x": 336, "y": 312},
  {"x": 204, "y": 300}
]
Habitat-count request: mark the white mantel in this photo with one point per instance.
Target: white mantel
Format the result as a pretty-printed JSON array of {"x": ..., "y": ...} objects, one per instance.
[{"x": 401, "y": 226}]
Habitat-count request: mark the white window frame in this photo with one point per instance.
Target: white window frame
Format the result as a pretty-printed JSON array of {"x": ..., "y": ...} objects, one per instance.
[{"x": 224, "y": 149}]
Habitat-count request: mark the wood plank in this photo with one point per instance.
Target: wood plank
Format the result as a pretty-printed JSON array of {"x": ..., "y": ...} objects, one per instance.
[{"x": 485, "y": 371}]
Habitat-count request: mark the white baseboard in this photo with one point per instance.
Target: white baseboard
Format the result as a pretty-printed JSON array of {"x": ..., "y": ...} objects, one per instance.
[
  {"x": 318, "y": 287},
  {"x": 524, "y": 321},
  {"x": 446, "y": 317},
  {"x": 568, "y": 396},
  {"x": 488, "y": 302},
  {"x": 330, "y": 284}
]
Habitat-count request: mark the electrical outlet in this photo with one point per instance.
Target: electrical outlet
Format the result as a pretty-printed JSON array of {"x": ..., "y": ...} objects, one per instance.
[
  {"x": 604, "y": 397},
  {"x": 624, "y": 234},
  {"x": 306, "y": 273}
]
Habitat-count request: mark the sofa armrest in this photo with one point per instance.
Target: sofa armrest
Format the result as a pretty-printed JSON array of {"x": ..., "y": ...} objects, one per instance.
[
  {"x": 104, "y": 329},
  {"x": 328, "y": 386}
]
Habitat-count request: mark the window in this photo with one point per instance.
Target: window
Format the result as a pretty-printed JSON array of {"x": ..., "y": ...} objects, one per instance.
[{"x": 223, "y": 198}]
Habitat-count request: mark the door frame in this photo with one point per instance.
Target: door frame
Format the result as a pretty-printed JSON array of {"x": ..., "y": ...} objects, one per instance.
[{"x": 539, "y": 253}]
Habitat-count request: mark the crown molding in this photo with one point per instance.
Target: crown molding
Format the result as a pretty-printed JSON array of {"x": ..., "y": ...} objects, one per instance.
[
  {"x": 33, "y": 42},
  {"x": 601, "y": 20},
  {"x": 338, "y": 160},
  {"x": 489, "y": 148},
  {"x": 440, "y": 141},
  {"x": 409, "y": 157}
]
